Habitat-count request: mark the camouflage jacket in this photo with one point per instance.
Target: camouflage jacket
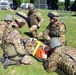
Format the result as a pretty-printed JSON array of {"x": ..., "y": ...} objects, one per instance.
[
  {"x": 56, "y": 30},
  {"x": 35, "y": 18},
  {"x": 2, "y": 28},
  {"x": 12, "y": 36}
]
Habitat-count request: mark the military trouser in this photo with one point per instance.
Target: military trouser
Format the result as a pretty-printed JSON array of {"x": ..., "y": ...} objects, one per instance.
[
  {"x": 9, "y": 62},
  {"x": 22, "y": 60},
  {"x": 16, "y": 60}
]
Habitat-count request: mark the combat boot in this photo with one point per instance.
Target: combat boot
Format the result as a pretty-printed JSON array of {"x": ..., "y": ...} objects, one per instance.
[
  {"x": 2, "y": 59},
  {"x": 9, "y": 62}
]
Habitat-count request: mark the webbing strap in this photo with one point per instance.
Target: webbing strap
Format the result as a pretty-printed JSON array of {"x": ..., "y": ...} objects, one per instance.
[{"x": 37, "y": 46}]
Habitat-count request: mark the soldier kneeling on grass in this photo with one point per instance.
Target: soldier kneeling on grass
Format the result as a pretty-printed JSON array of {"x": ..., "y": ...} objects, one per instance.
[
  {"x": 12, "y": 47},
  {"x": 55, "y": 28},
  {"x": 63, "y": 57},
  {"x": 7, "y": 21}
]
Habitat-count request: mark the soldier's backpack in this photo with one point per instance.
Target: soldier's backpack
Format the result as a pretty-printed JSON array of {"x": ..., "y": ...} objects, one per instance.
[{"x": 68, "y": 61}]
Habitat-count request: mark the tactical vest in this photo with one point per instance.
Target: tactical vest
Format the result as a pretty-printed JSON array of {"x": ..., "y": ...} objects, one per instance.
[
  {"x": 54, "y": 30},
  {"x": 33, "y": 19},
  {"x": 8, "y": 48},
  {"x": 68, "y": 61}
]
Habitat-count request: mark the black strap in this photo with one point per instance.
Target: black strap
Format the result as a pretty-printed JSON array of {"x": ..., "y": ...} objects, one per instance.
[{"x": 26, "y": 18}]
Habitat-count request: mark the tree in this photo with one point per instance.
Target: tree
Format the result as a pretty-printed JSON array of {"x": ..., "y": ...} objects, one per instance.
[
  {"x": 31, "y": 1},
  {"x": 75, "y": 1},
  {"x": 73, "y": 6},
  {"x": 17, "y": 2},
  {"x": 67, "y": 3},
  {"x": 52, "y": 4},
  {"x": 26, "y": 1}
]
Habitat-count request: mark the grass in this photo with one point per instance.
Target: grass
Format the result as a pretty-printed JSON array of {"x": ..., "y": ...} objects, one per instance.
[{"x": 37, "y": 67}]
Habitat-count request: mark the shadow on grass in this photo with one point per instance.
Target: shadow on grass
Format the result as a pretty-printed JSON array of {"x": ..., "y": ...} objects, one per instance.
[
  {"x": 28, "y": 34},
  {"x": 58, "y": 71},
  {"x": 74, "y": 15}
]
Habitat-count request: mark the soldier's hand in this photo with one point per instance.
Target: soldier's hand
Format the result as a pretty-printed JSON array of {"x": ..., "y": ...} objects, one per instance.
[{"x": 34, "y": 26}]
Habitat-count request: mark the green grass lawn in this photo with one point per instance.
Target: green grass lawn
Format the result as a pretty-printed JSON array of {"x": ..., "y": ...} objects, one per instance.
[{"x": 37, "y": 67}]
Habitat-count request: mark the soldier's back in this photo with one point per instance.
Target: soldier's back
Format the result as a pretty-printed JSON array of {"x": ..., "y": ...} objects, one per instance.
[{"x": 68, "y": 61}]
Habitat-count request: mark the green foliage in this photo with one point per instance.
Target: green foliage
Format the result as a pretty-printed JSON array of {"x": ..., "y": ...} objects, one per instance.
[
  {"x": 37, "y": 67},
  {"x": 26, "y": 1},
  {"x": 67, "y": 2},
  {"x": 17, "y": 2},
  {"x": 54, "y": 4},
  {"x": 71, "y": 3},
  {"x": 61, "y": 5},
  {"x": 31, "y": 1}
]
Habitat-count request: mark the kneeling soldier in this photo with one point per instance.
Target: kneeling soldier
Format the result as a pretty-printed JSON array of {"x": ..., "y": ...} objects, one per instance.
[{"x": 12, "y": 47}]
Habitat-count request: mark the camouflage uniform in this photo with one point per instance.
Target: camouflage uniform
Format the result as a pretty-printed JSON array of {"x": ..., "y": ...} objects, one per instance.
[
  {"x": 3, "y": 23},
  {"x": 63, "y": 57},
  {"x": 35, "y": 19},
  {"x": 12, "y": 46},
  {"x": 2, "y": 27},
  {"x": 54, "y": 30}
]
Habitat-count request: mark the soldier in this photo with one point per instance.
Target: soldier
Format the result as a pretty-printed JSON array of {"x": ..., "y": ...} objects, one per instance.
[
  {"x": 7, "y": 21},
  {"x": 12, "y": 47},
  {"x": 63, "y": 57},
  {"x": 36, "y": 48},
  {"x": 54, "y": 29},
  {"x": 35, "y": 21}
]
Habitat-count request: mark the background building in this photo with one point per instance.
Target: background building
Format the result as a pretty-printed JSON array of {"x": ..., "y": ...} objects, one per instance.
[
  {"x": 40, "y": 4},
  {"x": 8, "y": 1}
]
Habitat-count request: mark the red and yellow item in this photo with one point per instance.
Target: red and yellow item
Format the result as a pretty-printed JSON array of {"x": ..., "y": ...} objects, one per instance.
[{"x": 39, "y": 53}]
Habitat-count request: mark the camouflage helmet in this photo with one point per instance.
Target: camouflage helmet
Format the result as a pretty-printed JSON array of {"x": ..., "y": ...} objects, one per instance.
[
  {"x": 20, "y": 17},
  {"x": 31, "y": 7},
  {"x": 8, "y": 17},
  {"x": 55, "y": 42},
  {"x": 53, "y": 14}
]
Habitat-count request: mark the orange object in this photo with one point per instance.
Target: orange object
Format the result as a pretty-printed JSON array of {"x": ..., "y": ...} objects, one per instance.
[{"x": 38, "y": 53}]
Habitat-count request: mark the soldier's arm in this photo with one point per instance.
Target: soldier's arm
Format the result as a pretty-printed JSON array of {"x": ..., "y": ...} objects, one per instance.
[
  {"x": 9, "y": 9},
  {"x": 15, "y": 38},
  {"x": 62, "y": 33},
  {"x": 62, "y": 30},
  {"x": 40, "y": 18}
]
